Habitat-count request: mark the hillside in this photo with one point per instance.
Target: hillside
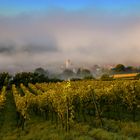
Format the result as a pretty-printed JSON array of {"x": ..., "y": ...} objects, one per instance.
[{"x": 39, "y": 106}]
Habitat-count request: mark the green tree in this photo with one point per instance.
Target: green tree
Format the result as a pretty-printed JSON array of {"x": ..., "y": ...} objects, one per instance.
[
  {"x": 120, "y": 68},
  {"x": 84, "y": 72},
  {"x": 4, "y": 79},
  {"x": 41, "y": 71},
  {"x": 106, "y": 77},
  {"x": 137, "y": 76},
  {"x": 28, "y": 77}
]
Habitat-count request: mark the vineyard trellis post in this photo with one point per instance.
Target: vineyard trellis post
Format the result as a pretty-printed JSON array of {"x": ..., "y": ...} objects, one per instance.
[{"x": 96, "y": 107}]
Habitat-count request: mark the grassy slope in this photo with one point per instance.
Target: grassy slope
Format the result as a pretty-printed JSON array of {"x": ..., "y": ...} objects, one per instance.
[{"x": 39, "y": 129}]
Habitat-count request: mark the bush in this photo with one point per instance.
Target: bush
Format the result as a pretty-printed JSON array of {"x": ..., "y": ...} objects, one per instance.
[{"x": 106, "y": 77}]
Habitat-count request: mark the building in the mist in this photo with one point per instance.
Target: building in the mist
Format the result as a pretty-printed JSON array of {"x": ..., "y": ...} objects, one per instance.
[{"x": 67, "y": 64}]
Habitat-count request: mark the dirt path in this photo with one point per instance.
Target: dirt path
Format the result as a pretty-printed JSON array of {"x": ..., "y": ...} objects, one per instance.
[{"x": 9, "y": 114}]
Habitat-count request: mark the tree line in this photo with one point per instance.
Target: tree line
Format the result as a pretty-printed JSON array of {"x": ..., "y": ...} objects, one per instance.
[{"x": 7, "y": 79}]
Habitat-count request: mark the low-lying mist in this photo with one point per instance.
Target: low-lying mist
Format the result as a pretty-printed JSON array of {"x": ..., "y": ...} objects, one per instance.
[{"x": 86, "y": 37}]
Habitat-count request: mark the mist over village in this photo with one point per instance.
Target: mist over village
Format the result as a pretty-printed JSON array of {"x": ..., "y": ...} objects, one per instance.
[{"x": 89, "y": 37}]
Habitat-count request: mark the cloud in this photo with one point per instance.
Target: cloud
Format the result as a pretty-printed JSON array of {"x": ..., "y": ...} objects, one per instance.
[
  {"x": 6, "y": 49},
  {"x": 39, "y": 44},
  {"x": 30, "y": 44},
  {"x": 82, "y": 36}
]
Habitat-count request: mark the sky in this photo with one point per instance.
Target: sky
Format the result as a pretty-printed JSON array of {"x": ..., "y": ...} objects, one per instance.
[{"x": 40, "y": 33}]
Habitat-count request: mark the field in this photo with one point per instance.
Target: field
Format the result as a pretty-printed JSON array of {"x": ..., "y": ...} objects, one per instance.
[
  {"x": 128, "y": 75},
  {"x": 78, "y": 110}
]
